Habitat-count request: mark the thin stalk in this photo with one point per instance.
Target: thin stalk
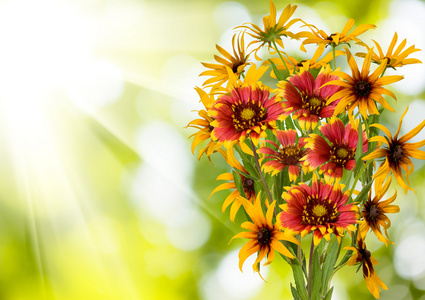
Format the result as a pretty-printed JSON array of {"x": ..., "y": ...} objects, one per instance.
[
  {"x": 281, "y": 57},
  {"x": 310, "y": 263},
  {"x": 257, "y": 163},
  {"x": 333, "y": 273}
]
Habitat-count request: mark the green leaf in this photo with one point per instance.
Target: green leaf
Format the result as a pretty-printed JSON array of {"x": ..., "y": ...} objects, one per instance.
[
  {"x": 289, "y": 123},
  {"x": 362, "y": 196},
  {"x": 279, "y": 75},
  {"x": 359, "y": 150},
  {"x": 238, "y": 183},
  {"x": 329, "y": 294},
  {"x": 247, "y": 175},
  {"x": 299, "y": 279},
  {"x": 328, "y": 265},
  {"x": 316, "y": 276},
  {"x": 295, "y": 293}
]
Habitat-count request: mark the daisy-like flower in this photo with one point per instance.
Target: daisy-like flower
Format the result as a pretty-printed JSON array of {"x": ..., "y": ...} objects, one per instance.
[
  {"x": 361, "y": 89},
  {"x": 205, "y": 128},
  {"x": 321, "y": 208},
  {"x": 307, "y": 64},
  {"x": 363, "y": 256},
  {"x": 236, "y": 62},
  {"x": 273, "y": 31},
  {"x": 317, "y": 36},
  {"x": 289, "y": 153},
  {"x": 396, "y": 59},
  {"x": 306, "y": 99},
  {"x": 338, "y": 152},
  {"x": 235, "y": 198},
  {"x": 397, "y": 153},
  {"x": 265, "y": 237},
  {"x": 246, "y": 111},
  {"x": 374, "y": 212}
]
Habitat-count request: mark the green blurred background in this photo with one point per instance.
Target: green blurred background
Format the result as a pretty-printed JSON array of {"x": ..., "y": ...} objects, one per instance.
[{"x": 100, "y": 196}]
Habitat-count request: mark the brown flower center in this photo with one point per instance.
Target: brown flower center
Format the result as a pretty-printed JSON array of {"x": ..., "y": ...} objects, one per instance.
[
  {"x": 340, "y": 154},
  {"x": 387, "y": 59},
  {"x": 236, "y": 65},
  {"x": 246, "y": 116},
  {"x": 210, "y": 128},
  {"x": 362, "y": 88},
  {"x": 300, "y": 64},
  {"x": 330, "y": 37},
  {"x": 291, "y": 155},
  {"x": 397, "y": 153},
  {"x": 374, "y": 212},
  {"x": 319, "y": 212},
  {"x": 248, "y": 184},
  {"x": 313, "y": 104},
  {"x": 263, "y": 236}
]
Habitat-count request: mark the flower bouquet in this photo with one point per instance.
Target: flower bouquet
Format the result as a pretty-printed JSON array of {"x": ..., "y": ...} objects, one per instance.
[{"x": 304, "y": 141}]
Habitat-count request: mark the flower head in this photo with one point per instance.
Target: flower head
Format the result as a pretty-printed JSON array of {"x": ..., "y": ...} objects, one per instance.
[
  {"x": 363, "y": 256},
  {"x": 317, "y": 36},
  {"x": 374, "y": 212},
  {"x": 394, "y": 59},
  {"x": 273, "y": 31},
  {"x": 264, "y": 236},
  {"x": 236, "y": 62},
  {"x": 204, "y": 127},
  {"x": 289, "y": 154},
  {"x": 337, "y": 152},
  {"x": 321, "y": 208},
  {"x": 245, "y": 111},
  {"x": 397, "y": 153},
  {"x": 314, "y": 63},
  {"x": 306, "y": 99},
  {"x": 235, "y": 198},
  {"x": 361, "y": 89}
]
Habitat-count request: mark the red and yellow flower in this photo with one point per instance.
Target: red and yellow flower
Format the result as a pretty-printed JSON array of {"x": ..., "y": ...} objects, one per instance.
[
  {"x": 337, "y": 152},
  {"x": 363, "y": 256},
  {"x": 307, "y": 99},
  {"x": 245, "y": 112},
  {"x": 374, "y": 212},
  {"x": 397, "y": 153},
  {"x": 265, "y": 237},
  {"x": 361, "y": 89},
  {"x": 288, "y": 154},
  {"x": 321, "y": 208}
]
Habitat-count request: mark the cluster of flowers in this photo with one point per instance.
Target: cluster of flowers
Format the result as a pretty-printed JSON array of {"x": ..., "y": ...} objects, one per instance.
[{"x": 304, "y": 144}]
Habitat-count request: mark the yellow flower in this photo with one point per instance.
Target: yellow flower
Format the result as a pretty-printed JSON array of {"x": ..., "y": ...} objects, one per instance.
[
  {"x": 307, "y": 64},
  {"x": 236, "y": 63},
  {"x": 317, "y": 36},
  {"x": 273, "y": 31},
  {"x": 397, "y": 153},
  {"x": 394, "y": 59},
  {"x": 363, "y": 256},
  {"x": 265, "y": 237},
  {"x": 361, "y": 89},
  {"x": 205, "y": 128},
  {"x": 374, "y": 212}
]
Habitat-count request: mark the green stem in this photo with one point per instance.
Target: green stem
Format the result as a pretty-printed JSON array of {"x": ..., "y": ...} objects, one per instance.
[
  {"x": 358, "y": 177},
  {"x": 333, "y": 273},
  {"x": 310, "y": 263},
  {"x": 281, "y": 57},
  {"x": 257, "y": 163}
]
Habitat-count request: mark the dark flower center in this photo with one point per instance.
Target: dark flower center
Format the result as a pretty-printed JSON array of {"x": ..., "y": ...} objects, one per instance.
[
  {"x": 374, "y": 212},
  {"x": 291, "y": 155},
  {"x": 330, "y": 37},
  {"x": 397, "y": 153},
  {"x": 388, "y": 60},
  {"x": 246, "y": 116},
  {"x": 313, "y": 104},
  {"x": 263, "y": 236},
  {"x": 365, "y": 254},
  {"x": 362, "y": 88},
  {"x": 248, "y": 184},
  {"x": 340, "y": 154},
  {"x": 300, "y": 64},
  {"x": 318, "y": 211},
  {"x": 210, "y": 128},
  {"x": 236, "y": 66}
]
